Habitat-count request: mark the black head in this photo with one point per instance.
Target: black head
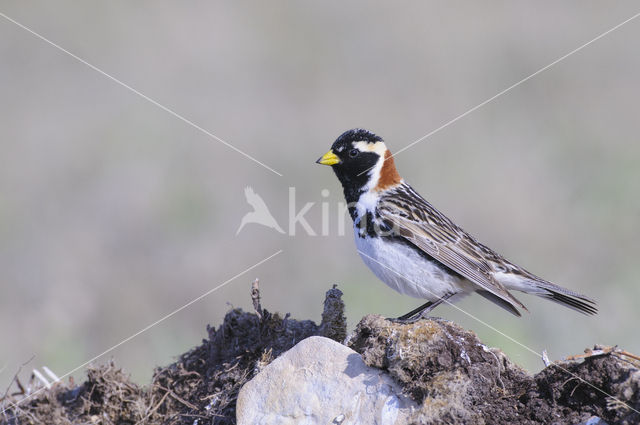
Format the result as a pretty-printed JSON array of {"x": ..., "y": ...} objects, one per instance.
[
  {"x": 357, "y": 135},
  {"x": 354, "y": 157}
]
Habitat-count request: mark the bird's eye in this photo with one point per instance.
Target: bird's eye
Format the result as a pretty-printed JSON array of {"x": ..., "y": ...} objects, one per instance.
[{"x": 353, "y": 153}]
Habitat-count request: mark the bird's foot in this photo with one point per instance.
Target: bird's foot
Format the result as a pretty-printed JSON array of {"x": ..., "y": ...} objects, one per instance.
[
  {"x": 407, "y": 320},
  {"x": 402, "y": 320}
]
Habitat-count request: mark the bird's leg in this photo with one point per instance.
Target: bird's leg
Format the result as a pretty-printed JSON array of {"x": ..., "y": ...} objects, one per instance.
[
  {"x": 422, "y": 311},
  {"x": 412, "y": 316}
]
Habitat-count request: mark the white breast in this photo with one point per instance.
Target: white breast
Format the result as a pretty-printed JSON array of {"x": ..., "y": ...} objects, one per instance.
[{"x": 405, "y": 270}]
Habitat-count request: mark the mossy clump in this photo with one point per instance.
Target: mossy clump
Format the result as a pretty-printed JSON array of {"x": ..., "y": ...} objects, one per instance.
[{"x": 457, "y": 379}]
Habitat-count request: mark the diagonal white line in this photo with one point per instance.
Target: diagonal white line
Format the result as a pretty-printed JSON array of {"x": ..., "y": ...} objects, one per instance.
[
  {"x": 142, "y": 95},
  {"x": 500, "y": 332},
  {"x": 146, "y": 328},
  {"x": 480, "y": 105}
]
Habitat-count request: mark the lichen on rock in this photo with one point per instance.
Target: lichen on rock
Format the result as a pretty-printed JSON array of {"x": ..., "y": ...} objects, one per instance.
[
  {"x": 455, "y": 378},
  {"x": 446, "y": 369}
]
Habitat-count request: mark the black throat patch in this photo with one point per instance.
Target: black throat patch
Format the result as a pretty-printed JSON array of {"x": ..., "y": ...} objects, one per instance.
[
  {"x": 354, "y": 175},
  {"x": 370, "y": 225}
]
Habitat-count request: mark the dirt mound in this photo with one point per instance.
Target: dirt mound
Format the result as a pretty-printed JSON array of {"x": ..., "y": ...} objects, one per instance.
[
  {"x": 200, "y": 388},
  {"x": 107, "y": 396},
  {"x": 457, "y": 379},
  {"x": 452, "y": 376}
]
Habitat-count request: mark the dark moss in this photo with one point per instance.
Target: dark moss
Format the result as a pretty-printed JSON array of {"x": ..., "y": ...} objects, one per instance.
[{"x": 203, "y": 384}]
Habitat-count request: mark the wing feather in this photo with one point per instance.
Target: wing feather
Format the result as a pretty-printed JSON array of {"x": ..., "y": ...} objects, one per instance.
[{"x": 429, "y": 230}]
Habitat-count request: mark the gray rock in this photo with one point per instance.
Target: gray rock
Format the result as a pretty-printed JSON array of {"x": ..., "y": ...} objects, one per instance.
[{"x": 320, "y": 381}]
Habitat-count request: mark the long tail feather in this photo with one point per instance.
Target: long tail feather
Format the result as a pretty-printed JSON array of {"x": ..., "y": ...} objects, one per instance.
[
  {"x": 572, "y": 300},
  {"x": 531, "y": 284}
]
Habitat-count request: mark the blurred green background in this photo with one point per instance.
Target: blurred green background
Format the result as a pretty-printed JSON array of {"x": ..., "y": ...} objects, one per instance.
[{"x": 114, "y": 213}]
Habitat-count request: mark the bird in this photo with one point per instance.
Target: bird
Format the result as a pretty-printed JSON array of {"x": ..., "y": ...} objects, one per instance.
[
  {"x": 260, "y": 213},
  {"x": 414, "y": 248}
]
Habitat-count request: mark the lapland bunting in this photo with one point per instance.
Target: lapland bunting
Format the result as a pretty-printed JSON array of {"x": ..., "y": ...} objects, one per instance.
[{"x": 417, "y": 250}]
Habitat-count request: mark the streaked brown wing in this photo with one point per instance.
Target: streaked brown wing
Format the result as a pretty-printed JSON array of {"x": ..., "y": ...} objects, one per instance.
[{"x": 428, "y": 229}]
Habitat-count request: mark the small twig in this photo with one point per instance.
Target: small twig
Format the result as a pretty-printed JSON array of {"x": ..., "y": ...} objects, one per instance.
[
  {"x": 488, "y": 350},
  {"x": 175, "y": 396},
  {"x": 193, "y": 415},
  {"x": 567, "y": 381},
  {"x": 185, "y": 402},
  {"x": 15, "y": 378},
  {"x": 18, "y": 411},
  {"x": 545, "y": 358},
  {"x": 575, "y": 388},
  {"x": 20, "y": 387},
  {"x": 615, "y": 404},
  {"x": 255, "y": 297},
  {"x": 627, "y": 354},
  {"x": 591, "y": 353},
  {"x": 164, "y": 397}
]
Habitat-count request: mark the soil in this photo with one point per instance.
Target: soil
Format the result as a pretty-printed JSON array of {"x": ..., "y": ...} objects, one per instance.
[
  {"x": 455, "y": 378},
  {"x": 451, "y": 375},
  {"x": 200, "y": 388}
]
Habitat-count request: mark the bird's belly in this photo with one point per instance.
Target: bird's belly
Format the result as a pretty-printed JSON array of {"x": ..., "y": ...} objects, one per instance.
[{"x": 407, "y": 271}]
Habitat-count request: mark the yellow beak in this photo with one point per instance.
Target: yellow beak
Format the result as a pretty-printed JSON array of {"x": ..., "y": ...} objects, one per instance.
[{"x": 329, "y": 158}]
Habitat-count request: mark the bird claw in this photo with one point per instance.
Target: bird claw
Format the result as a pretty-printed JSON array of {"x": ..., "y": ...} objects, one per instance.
[{"x": 402, "y": 320}]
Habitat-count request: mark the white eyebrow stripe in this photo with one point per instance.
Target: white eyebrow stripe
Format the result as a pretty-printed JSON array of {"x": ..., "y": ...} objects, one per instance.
[{"x": 377, "y": 147}]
